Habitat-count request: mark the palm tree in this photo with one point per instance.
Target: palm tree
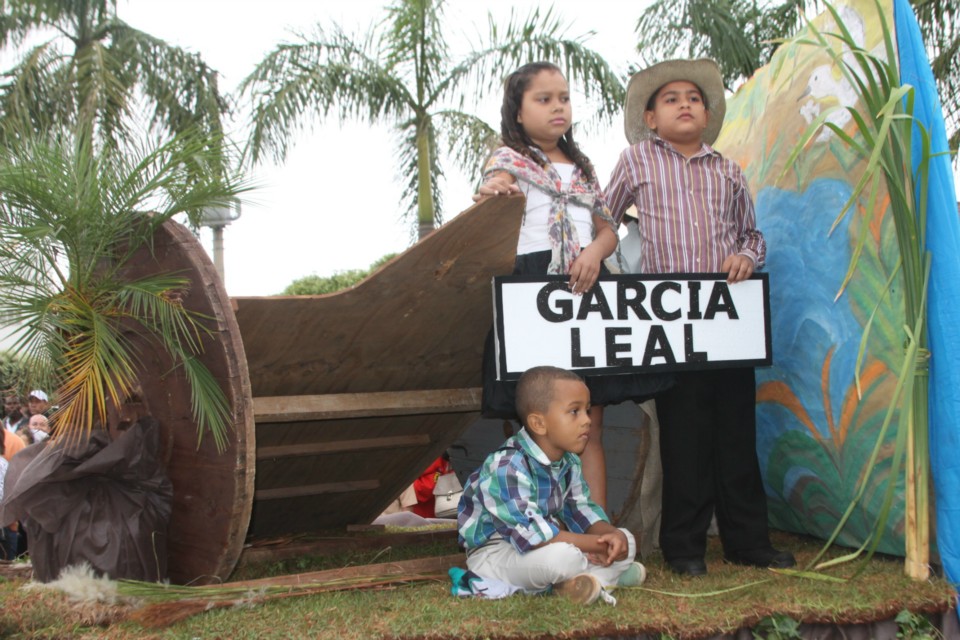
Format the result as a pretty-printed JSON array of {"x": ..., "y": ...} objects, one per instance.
[
  {"x": 72, "y": 214},
  {"x": 94, "y": 73},
  {"x": 404, "y": 72},
  {"x": 741, "y": 36}
]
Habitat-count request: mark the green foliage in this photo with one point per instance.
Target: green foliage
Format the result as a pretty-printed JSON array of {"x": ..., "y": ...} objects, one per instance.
[
  {"x": 738, "y": 34},
  {"x": 72, "y": 214},
  {"x": 403, "y": 72},
  {"x": 314, "y": 285},
  {"x": 915, "y": 626},
  {"x": 94, "y": 73},
  {"x": 379, "y": 262},
  {"x": 13, "y": 373},
  {"x": 777, "y": 627}
]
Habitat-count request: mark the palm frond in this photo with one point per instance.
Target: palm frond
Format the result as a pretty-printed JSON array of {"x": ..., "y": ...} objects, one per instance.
[
  {"x": 96, "y": 363},
  {"x": 314, "y": 77},
  {"x": 154, "y": 304},
  {"x": 724, "y": 31},
  {"x": 468, "y": 139},
  {"x": 94, "y": 72},
  {"x": 31, "y": 96},
  {"x": 207, "y": 402},
  {"x": 538, "y": 37},
  {"x": 72, "y": 215},
  {"x": 22, "y": 17},
  {"x": 181, "y": 89},
  {"x": 103, "y": 87},
  {"x": 417, "y": 44}
]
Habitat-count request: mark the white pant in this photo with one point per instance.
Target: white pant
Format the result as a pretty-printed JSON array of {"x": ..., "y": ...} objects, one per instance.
[{"x": 536, "y": 570}]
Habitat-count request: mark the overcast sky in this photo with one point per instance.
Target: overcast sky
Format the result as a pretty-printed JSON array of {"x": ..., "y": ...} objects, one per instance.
[{"x": 332, "y": 205}]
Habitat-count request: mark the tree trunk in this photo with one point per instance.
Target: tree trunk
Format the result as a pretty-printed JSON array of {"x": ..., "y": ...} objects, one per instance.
[{"x": 425, "y": 209}]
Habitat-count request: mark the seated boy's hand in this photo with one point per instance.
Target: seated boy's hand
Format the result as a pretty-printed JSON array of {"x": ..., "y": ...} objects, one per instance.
[
  {"x": 501, "y": 184},
  {"x": 617, "y": 547}
]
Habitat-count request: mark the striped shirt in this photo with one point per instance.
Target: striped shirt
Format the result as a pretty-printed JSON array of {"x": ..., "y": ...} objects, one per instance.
[
  {"x": 519, "y": 495},
  {"x": 692, "y": 213}
]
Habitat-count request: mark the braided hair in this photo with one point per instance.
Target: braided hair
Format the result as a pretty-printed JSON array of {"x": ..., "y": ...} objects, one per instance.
[{"x": 511, "y": 131}]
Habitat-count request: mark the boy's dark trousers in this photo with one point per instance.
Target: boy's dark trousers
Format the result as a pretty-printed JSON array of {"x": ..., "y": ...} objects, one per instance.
[{"x": 709, "y": 456}]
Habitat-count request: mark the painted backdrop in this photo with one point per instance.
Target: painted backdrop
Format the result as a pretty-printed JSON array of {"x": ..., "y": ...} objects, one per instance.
[{"x": 815, "y": 432}]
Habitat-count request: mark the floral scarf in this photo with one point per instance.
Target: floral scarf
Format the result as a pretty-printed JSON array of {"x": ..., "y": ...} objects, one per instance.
[{"x": 582, "y": 191}]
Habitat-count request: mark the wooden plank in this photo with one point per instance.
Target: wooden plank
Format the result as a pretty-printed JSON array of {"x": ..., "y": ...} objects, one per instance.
[
  {"x": 273, "y": 409},
  {"x": 340, "y": 446},
  {"x": 438, "y": 565},
  {"x": 315, "y": 489},
  {"x": 268, "y": 551},
  {"x": 15, "y": 570}
]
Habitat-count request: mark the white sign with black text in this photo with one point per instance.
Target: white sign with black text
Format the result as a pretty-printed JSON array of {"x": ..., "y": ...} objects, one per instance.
[{"x": 631, "y": 323}]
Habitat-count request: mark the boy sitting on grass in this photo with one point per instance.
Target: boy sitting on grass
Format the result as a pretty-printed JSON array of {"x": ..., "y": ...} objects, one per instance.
[{"x": 526, "y": 518}]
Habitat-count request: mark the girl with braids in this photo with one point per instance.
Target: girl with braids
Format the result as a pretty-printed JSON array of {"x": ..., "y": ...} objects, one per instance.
[{"x": 566, "y": 229}]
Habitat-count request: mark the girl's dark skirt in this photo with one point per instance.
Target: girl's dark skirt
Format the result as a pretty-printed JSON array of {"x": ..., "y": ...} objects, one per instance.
[{"x": 499, "y": 396}]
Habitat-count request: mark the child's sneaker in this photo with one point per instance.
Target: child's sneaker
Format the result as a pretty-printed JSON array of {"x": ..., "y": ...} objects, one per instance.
[
  {"x": 634, "y": 576},
  {"x": 581, "y": 589}
]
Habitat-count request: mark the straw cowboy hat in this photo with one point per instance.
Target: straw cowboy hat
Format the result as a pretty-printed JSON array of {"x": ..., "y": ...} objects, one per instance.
[{"x": 703, "y": 72}]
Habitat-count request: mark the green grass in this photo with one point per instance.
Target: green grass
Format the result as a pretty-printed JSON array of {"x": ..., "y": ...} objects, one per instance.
[{"x": 427, "y": 610}]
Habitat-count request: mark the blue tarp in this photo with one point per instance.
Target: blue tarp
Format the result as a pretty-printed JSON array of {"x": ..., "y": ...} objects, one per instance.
[{"x": 943, "y": 242}]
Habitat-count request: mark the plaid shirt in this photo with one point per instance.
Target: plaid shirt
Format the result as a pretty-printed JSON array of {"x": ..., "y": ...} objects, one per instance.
[
  {"x": 692, "y": 212},
  {"x": 519, "y": 495}
]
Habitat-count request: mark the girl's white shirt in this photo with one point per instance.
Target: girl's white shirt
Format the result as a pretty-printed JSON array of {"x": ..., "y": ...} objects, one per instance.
[{"x": 534, "y": 233}]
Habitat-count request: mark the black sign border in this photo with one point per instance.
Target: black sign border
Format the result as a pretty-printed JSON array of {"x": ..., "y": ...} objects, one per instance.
[{"x": 499, "y": 281}]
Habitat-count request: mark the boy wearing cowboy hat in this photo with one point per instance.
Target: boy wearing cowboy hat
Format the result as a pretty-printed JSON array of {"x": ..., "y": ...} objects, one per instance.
[{"x": 695, "y": 214}]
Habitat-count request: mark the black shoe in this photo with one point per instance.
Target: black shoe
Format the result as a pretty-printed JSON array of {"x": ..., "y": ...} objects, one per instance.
[
  {"x": 688, "y": 566},
  {"x": 764, "y": 557}
]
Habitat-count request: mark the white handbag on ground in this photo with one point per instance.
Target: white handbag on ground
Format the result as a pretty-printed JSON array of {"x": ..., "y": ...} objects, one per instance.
[{"x": 447, "y": 494}]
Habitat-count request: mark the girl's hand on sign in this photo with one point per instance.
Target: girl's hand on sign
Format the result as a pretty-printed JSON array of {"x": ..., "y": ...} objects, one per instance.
[
  {"x": 584, "y": 271},
  {"x": 737, "y": 268},
  {"x": 500, "y": 184}
]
